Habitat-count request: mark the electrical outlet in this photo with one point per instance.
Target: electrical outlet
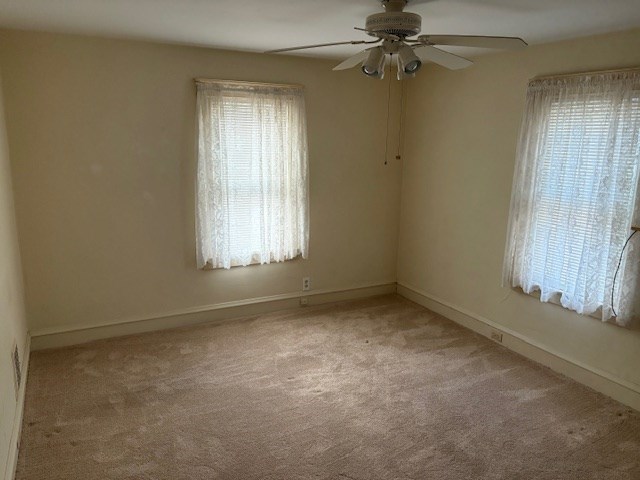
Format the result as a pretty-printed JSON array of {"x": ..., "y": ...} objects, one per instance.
[
  {"x": 304, "y": 301},
  {"x": 496, "y": 336},
  {"x": 306, "y": 284}
]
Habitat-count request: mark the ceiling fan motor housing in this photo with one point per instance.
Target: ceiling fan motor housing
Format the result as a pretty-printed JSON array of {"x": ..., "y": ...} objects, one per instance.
[{"x": 401, "y": 24}]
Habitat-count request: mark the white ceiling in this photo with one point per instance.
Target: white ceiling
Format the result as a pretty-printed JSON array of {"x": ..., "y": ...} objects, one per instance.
[{"x": 257, "y": 25}]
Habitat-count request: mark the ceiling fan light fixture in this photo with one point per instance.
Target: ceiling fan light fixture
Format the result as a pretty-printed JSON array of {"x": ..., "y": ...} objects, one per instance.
[
  {"x": 373, "y": 65},
  {"x": 393, "y": 30},
  {"x": 408, "y": 61},
  {"x": 401, "y": 73}
]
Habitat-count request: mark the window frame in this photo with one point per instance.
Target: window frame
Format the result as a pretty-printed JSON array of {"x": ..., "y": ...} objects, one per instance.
[
  {"x": 534, "y": 138},
  {"x": 287, "y": 130}
]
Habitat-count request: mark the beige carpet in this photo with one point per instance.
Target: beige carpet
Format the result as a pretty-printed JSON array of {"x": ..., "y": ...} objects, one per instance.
[{"x": 373, "y": 389}]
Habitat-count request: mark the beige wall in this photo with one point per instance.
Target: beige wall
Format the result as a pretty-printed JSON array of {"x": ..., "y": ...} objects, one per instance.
[
  {"x": 102, "y": 139},
  {"x": 458, "y": 167},
  {"x": 12, "y": 319},
  {"x": 102, "y": 144}
]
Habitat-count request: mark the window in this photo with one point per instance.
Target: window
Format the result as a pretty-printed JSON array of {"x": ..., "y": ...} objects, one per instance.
[
  {"x": 575, "y": 193},
  {"x": 252, "y": 188}
]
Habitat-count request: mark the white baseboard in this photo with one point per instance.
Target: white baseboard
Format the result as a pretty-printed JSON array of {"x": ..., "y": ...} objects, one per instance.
[
  {"x": 601, "y": 381},
  {"x": 72, "y": 335},
  {"x": 16, "y": 432},
  {"x": 604, "y": 382}
]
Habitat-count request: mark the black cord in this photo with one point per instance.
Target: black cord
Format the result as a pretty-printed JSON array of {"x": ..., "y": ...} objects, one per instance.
[{"x": 613, "y": 288}]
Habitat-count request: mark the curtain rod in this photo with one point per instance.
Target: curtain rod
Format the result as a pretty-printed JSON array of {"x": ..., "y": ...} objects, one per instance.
[
  {"x": 250, "y": 84},
  {"x": 593, "y": 72}
]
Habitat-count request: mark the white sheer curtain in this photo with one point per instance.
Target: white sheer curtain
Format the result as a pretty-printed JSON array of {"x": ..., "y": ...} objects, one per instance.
[
  {"x": 252, "y": 186},
  {"x": 575, "y": 194}
]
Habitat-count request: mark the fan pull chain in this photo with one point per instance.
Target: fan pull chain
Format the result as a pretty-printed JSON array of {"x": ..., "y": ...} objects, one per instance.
[
  {"x": 401, "y": 127},
  {"x": 386, "y": 140}
]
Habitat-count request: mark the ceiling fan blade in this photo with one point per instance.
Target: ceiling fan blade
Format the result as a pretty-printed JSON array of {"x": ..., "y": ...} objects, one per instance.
[
  {"x": 353, "y": 60},
  {"x": 504, "y": 43},
  {"x": 304, "y": 47},
  {"x": 446, "y": 59}
]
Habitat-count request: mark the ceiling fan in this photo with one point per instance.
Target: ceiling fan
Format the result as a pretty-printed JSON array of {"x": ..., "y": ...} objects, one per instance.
[{"x": 393, "y": 29}]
